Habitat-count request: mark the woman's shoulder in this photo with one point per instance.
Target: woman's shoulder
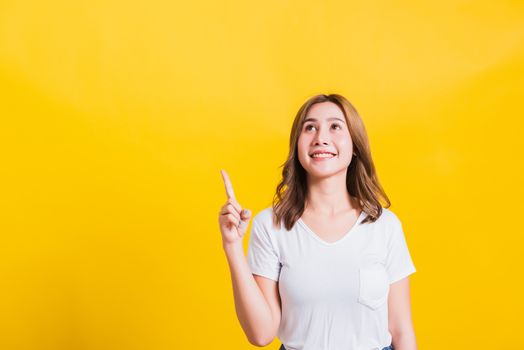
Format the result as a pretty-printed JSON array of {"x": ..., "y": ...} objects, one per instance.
[
  {"x": 264, "y": 215},
  {"x": 264, "y": 218},
  {"x": 390, "y": 224},
  {"x": 388, "y": 218}
]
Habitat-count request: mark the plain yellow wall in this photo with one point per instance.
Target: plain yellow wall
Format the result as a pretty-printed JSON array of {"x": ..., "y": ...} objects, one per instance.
[{"x": 117, "y": 116}]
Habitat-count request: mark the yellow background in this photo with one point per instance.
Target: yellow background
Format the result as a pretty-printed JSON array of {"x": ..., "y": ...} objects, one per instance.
[{"x": 117, "y": 116}]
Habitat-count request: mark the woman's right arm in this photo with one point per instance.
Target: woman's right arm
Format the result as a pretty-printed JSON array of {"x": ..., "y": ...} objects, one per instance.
[{"x": 257, "y": 300}]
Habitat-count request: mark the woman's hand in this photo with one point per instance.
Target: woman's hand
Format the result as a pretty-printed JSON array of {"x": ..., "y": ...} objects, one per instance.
[{"x": 232, "y": 218}]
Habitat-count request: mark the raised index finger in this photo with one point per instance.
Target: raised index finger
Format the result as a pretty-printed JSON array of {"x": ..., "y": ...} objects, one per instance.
[{"x": 229, "y": 188}]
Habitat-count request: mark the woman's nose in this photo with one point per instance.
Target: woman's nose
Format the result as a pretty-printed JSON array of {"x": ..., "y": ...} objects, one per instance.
[{"x": 321, "y": 136}]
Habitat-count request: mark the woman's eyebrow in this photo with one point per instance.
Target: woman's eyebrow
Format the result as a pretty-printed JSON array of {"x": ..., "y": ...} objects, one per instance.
[{"x": 314, "y": 119}]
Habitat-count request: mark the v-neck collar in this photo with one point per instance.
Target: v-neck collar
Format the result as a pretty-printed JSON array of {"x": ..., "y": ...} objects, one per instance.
[{"x": 347, "y": 234}]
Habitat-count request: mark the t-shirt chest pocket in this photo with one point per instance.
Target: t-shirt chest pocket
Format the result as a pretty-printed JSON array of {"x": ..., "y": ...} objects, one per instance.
[{"x": 373, "y": 285}]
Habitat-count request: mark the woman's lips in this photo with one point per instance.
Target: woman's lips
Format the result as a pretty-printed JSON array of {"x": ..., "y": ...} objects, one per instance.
[{"x": 319, "y": 159}]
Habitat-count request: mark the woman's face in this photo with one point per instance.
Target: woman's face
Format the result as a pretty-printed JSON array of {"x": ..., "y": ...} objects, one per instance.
[{"x": 325, "y": 129}]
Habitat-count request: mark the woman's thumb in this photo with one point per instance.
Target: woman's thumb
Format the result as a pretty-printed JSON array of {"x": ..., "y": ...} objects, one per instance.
[{"x": 246, "y": 214}]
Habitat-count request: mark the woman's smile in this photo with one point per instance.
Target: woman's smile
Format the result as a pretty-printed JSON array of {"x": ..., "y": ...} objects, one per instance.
[{"x": 320, "y": 157}]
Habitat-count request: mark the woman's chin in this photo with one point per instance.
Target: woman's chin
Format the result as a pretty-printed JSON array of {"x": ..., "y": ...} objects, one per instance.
[{"x": 325, "y": 173}]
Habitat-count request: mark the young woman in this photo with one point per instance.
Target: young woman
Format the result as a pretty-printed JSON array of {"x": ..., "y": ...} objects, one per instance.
[{"x": 327, "y": 266}]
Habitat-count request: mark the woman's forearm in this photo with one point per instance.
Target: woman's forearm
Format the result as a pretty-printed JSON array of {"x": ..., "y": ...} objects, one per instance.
[
  {"x": 404, "y": 341},
  {"x": 252, "y": 309}
]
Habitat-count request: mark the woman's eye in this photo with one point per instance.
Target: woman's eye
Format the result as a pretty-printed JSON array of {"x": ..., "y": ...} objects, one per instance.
[{"x": 308, "y": 127}]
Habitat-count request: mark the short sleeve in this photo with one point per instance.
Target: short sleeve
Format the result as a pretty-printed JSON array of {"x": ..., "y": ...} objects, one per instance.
[
  {"x": 262, "y": 256},
  {"x": 398, "y": 262}
]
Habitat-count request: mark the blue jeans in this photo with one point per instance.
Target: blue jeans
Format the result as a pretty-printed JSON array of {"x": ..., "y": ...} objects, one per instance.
[{"x": 386, "y": 348}]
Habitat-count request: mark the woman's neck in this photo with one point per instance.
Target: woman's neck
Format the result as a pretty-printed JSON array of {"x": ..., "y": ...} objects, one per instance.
[{"x": 329, "y": 198}]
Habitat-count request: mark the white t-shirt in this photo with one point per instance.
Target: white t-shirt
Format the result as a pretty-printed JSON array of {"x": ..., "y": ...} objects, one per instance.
[{"x": 334, "y": 295}]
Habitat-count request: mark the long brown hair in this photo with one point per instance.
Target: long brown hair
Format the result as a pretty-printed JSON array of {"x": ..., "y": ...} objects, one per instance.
[{"x": 361, "y": 180}]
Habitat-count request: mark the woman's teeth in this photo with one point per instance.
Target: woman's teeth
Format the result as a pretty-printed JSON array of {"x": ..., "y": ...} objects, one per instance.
[{"x": 322, "y": 155}]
